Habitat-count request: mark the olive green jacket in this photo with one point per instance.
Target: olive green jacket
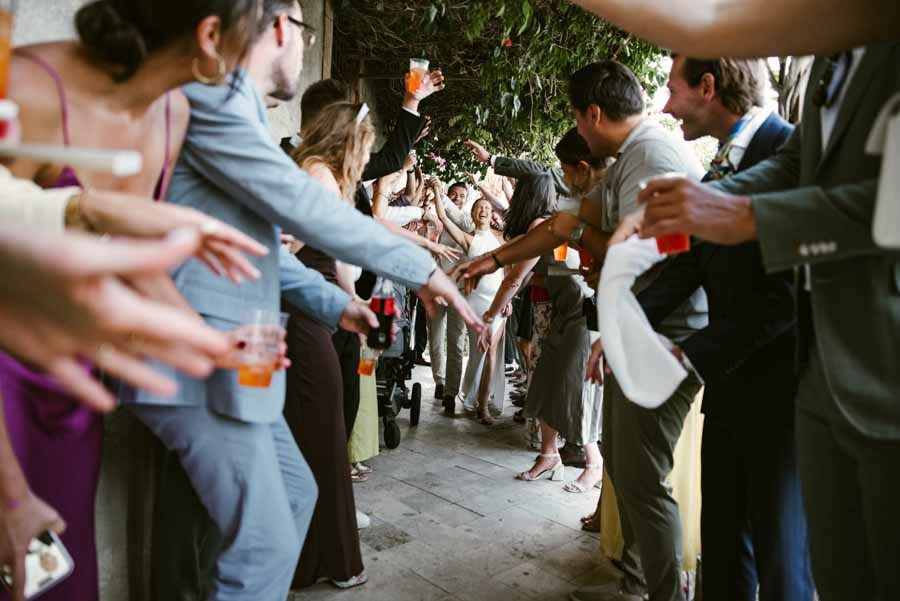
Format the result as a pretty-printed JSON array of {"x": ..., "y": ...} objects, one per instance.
[{"x": 815, "y": 207}]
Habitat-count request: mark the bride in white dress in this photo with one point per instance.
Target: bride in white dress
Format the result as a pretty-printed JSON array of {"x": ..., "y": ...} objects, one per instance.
[{"x": 484, "y": 383}]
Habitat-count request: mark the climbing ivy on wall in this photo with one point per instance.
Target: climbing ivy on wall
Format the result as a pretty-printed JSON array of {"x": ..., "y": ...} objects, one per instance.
[{"x": 507, "y": 62}]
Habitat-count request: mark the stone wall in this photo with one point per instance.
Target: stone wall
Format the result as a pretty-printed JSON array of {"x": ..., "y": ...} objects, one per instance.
[{"x": 47, "y": 20}]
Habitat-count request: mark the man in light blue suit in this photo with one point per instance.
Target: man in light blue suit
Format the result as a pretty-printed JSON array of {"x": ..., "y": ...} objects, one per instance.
[{"x": 233, "y": 441}]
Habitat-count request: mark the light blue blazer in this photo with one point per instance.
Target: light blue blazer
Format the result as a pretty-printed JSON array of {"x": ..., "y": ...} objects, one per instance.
[{"x": 230, "y": 168}]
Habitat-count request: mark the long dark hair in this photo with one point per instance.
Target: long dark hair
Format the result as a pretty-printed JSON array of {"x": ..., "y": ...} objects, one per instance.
[
  {"x": 535, "y": 197},
  {"x": 572, "y": 149},
  {"x": 123, "y": 33}
]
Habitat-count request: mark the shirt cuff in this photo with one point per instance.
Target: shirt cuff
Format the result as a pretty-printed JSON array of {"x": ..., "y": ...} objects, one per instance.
[
  {"x": 45, "y": 209},
  {"x": 413, "y": 113},
  {"x": 493, "y": 160}
]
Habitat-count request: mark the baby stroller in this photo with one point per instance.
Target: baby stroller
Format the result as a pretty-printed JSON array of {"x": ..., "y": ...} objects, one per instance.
[{"x": 395, "y": 367}]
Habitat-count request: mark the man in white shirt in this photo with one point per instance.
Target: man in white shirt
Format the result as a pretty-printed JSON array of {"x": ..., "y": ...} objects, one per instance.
[{"x": 447, "y": 335}]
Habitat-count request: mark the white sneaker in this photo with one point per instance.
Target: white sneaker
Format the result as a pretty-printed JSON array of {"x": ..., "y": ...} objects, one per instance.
[{"x": 362, "y": 520}]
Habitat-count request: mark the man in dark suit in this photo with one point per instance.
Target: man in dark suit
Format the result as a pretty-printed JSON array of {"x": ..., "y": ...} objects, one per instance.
[
  {"x": 811, "y": 207},
  {"x": 753, "y": 527}
]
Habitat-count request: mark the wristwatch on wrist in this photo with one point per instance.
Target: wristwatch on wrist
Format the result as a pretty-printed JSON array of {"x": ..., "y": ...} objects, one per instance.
[{"x": 577, "y": 234}]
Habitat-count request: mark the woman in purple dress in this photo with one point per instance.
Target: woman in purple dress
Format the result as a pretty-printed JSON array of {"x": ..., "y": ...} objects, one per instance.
[{"x": 115, "y": 88}]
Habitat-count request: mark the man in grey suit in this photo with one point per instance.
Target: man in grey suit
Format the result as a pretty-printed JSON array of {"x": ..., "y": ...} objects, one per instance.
[
  {"x": 233, "y": 441},
  {"x": 811, "y": 208}
]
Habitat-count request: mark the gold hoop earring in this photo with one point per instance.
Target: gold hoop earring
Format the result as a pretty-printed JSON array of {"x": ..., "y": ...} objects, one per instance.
[{"x": 216, "y": 80}]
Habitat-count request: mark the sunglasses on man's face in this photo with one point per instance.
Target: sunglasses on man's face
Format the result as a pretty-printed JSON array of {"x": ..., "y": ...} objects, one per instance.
[{"x": 308, "y": 32}]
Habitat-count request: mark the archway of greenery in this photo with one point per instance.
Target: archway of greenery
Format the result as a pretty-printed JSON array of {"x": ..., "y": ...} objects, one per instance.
[{"x": 506, "y": 61}]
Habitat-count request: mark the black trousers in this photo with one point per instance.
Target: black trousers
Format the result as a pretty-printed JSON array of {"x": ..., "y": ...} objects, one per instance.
[
  {"x": 347, "y": 346},
  {"x": 421, "y": 329},
  {"x": 753, "y": 526}
]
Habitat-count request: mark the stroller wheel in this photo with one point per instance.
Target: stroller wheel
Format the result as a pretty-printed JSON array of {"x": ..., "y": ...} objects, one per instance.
[
  {"x": 415, "y": 404},
  {"x": 391, "y": 434}
]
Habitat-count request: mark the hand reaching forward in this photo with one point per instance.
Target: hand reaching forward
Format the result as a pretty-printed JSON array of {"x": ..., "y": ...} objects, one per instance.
[
  {"x": 65, "y": 299},
  {"x": 221, "y": 245},
  {"x": 596, "y": 367},
  {"x": 27, "y": 519},
  {"x": 478, "y": 151},
  {"x": 470, "y": 272},
  {"x": 440, "y": 290}
]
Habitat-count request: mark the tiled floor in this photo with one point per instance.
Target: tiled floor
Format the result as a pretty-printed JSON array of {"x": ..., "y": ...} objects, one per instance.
[{"x": 449, "y": 522}]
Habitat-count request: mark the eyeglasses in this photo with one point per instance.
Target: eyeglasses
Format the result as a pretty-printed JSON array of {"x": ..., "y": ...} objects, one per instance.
[
  {"x": 821, "y": 98},
  {"x": 308, "y": 32}
]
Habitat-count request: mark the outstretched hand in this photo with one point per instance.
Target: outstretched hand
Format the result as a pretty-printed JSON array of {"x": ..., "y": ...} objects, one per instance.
[
  {"x": 469, "y": 273},
  {"x": 71, "y": 297},
  {"x": 478, "y": 151},
  {"x": 596, "y": 367},
  {"x": 440, "y": 290}
]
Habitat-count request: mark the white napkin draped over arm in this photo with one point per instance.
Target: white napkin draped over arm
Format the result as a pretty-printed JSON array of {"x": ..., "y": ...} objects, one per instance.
[{"x": 645, "y": 369}]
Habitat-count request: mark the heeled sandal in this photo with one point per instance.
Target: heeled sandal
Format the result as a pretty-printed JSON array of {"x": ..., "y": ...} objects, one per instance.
[
  {"x": 556, "y": 473},
  {"x": 577, "y": 487}
]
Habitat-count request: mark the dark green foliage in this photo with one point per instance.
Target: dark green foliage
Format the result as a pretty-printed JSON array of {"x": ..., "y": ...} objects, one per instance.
[{"x": 507, "y": 64}]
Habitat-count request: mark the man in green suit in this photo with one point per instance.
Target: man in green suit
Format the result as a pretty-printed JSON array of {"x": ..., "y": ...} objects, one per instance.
[{"x": 811, "y": 209}]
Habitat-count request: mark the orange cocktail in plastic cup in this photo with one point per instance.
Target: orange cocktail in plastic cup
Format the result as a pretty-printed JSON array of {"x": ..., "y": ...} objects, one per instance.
[
  {"x": 418, "y": 71},
  {"x": 368, "y": 359},
  {"x": 256, "y": 376},
  {"x": 670, "y": 244},
  {"x": 262, "y": 348},
  {"x": 561, "y": 253}
]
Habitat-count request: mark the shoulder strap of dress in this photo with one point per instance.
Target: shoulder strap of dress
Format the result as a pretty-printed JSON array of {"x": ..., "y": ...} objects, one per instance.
[
  {"x": 60, "y": 88},
  {"x": 161, "y": 184}
]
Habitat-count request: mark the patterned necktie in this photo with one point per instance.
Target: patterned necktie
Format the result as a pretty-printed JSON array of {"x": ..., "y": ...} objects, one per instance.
[{"x": 721, "y": 166}]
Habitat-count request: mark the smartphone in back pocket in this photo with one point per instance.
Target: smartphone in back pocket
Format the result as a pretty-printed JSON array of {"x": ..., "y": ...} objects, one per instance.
[{"x": 47, "y": 563}]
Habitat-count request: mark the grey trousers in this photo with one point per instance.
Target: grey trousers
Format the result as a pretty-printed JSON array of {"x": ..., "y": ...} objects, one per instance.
[
  {"x": 256, "y": 487},
  {"x": 447, "y": 345},
  {"x": 851, "y": 495},
  {"x": 638, "y": 447}
]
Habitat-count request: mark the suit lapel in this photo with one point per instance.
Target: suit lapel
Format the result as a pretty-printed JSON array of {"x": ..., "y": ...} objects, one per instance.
[
  {"x": 812, "y": 117},
  {"x": 760, "y": 145},
  {"x": 856, "y": 91}
]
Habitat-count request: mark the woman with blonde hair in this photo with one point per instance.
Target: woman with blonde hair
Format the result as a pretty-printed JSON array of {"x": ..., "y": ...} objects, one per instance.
[{"x": 335, "y": 149}]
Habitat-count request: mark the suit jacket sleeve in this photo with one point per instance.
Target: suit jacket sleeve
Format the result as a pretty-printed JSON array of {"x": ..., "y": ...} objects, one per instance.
[
  {"x": 518, "y": 169},
  {"x": 790, "y": 218},
  {"x": 307, "y": 290},
  {"x": 676, "y": 283},
  {"x": 729, "y": 340},
  {"x": 391, "y": 156},
  {"x": 229, "y": 144}
]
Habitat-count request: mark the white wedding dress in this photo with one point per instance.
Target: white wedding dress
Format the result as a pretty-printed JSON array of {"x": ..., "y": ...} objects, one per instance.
[{"x": 481, "y": 299}]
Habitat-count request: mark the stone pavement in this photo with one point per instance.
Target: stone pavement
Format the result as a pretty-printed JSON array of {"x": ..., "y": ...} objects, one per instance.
[{"x": 449, "y": 522}]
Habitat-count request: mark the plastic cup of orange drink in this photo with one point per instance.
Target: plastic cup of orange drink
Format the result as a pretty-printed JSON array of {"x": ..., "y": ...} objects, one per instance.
[
  {"x": 561, "y": 253},
  {"x": 368, "y": 359},
  {"x": 265, "y": 333},
  {"x": 418, "y": 71},
  {"x": 670, "y": 244}
]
